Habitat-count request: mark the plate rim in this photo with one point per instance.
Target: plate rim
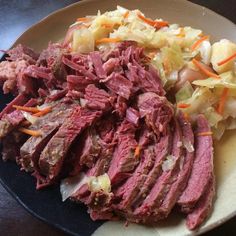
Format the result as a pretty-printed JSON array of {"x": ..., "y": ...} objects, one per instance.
[{"x": 42, "y": 21}]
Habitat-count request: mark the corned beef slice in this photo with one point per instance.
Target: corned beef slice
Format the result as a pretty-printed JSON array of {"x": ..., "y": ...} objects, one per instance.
[
  {"x": 19, "y": 100},
  {"x": 97, "y": 99},
  {"x": 123, "y": 161},
  {"x": 49, "y": 124},
  {"x": 203, "y": 207},
  {"x": 129, "y": 190},
  {"x": 77, "y": 82},
  {"x": 53, "y": 155},
  {"x": 52, "y": 58},
  {"x": 161, "y": 149},
  {"x": 149, "y": 208},
  {"x": 21, "y": 52},
  {"x": 118, "y": 84},
  {"x": 202, "y": 167},
  {"x": 96, "y": 59},
  {"x": 184, "y": 172},
  {"x": 80, "y": 69},
  {"x": 157, "y": 111},
  {"x": 90, "y": 150}
]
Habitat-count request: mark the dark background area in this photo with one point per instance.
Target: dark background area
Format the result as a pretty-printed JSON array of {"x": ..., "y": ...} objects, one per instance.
[{"x": 16, "y": 17}]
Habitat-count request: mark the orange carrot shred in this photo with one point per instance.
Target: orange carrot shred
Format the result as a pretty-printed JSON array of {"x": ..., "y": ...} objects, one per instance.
[
  {"x": 155, "y": 24},
  {"x": 28, "y": 109},
  {"x": 108, "y": 40},
  {"x": 209, "y": 133},
  {"x": 223, "y": 98},
  {"x": 137, "y": 151},
  {"x": 198, "y": 42},
  {"x": 83, "y": 19},
  {"x": 109, "y": 26},
  {"x": 43, "y": 112},
  {"x": 35, "y": 133},
  {"x": 126, "y": 14},
  {"x": 204, "y": 70},
  {"x": 183, "y": 105},
  {"x": 226, "y": 60}
]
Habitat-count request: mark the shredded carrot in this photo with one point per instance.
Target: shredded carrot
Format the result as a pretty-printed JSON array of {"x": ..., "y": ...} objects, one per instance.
[
  {"x": 183, "y": 105},
  {"x": 83, "y": 19},
  {"x": 223, "y": 98},
  {"x": 110, "y": 26},
  {"x": 209, "y": 133},
  {"x": 43, "y": 112},
  {"x": 204, "y": 70},
  {"x": 126, "y": 14},
  {"x": 226, "y": 60},
  {"x": 137, "y": 151},
  {"x": 35, "y": 133},
  {"x": 198, "y": 42},
  {"x": 25, "y": 123},
  {"x": 155, "y": 24},
  {"x": 107, "y": 40},
  {"x": 28, "y": 109}
]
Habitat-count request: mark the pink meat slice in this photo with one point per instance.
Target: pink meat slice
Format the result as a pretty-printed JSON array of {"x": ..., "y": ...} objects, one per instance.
[{"x": 202, "y": 167}]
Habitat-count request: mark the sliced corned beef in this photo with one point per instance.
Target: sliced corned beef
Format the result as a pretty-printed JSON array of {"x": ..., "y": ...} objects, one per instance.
[
  {"x": 203, "y": 207},
  {"x": 77, "y": 82},
  {"x": 96, "y": 59},
  {"x": 48, "y": 125},
  {"x": 19, "y": 100},
  {"x": 184, "y": 170},
  {"x": 52, "y": 58},
  {"x": 21, "y": 52},
  {"x": 53, "y": 155},
  {"x": 97, "y": 99},
  {"x": 128, "y": 191},
  {"x": 157, "y": 111},
  {"x": 90, "y": 150},
  {"x": 123, "y": 161},
  {"x": 81, "y": 69},
  {"x": 132, "y": 115},
  {"x": 13, "y": 119},
  {"x": 149, "y": 208},
  {"x": 146, "y": 136},
  {"x": 162, "y": 149},
  {"x": 118, "y": 84},
  {"x": 112, "y": 64},
  {"x": 202, "y": 167},
  {"x": 145, "y": 79},
  {"x": 121, "y": 107}
]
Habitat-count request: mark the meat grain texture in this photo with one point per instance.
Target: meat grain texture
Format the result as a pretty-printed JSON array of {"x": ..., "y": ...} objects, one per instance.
[{"x": 109, "y": 117}]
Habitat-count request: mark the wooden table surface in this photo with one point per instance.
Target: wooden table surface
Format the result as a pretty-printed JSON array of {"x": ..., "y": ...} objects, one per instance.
[{"x": 17, "y": 16}]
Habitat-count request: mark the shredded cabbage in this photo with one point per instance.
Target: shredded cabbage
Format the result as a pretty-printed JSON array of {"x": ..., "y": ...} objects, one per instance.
[
  {"x": 227, "y": 80},
  {"x": 185, "y": 92},
  {"x": 201, "y": 99}
]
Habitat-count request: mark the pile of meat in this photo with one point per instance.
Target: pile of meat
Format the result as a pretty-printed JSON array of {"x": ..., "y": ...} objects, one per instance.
[{"x": 111, "y": 123}]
